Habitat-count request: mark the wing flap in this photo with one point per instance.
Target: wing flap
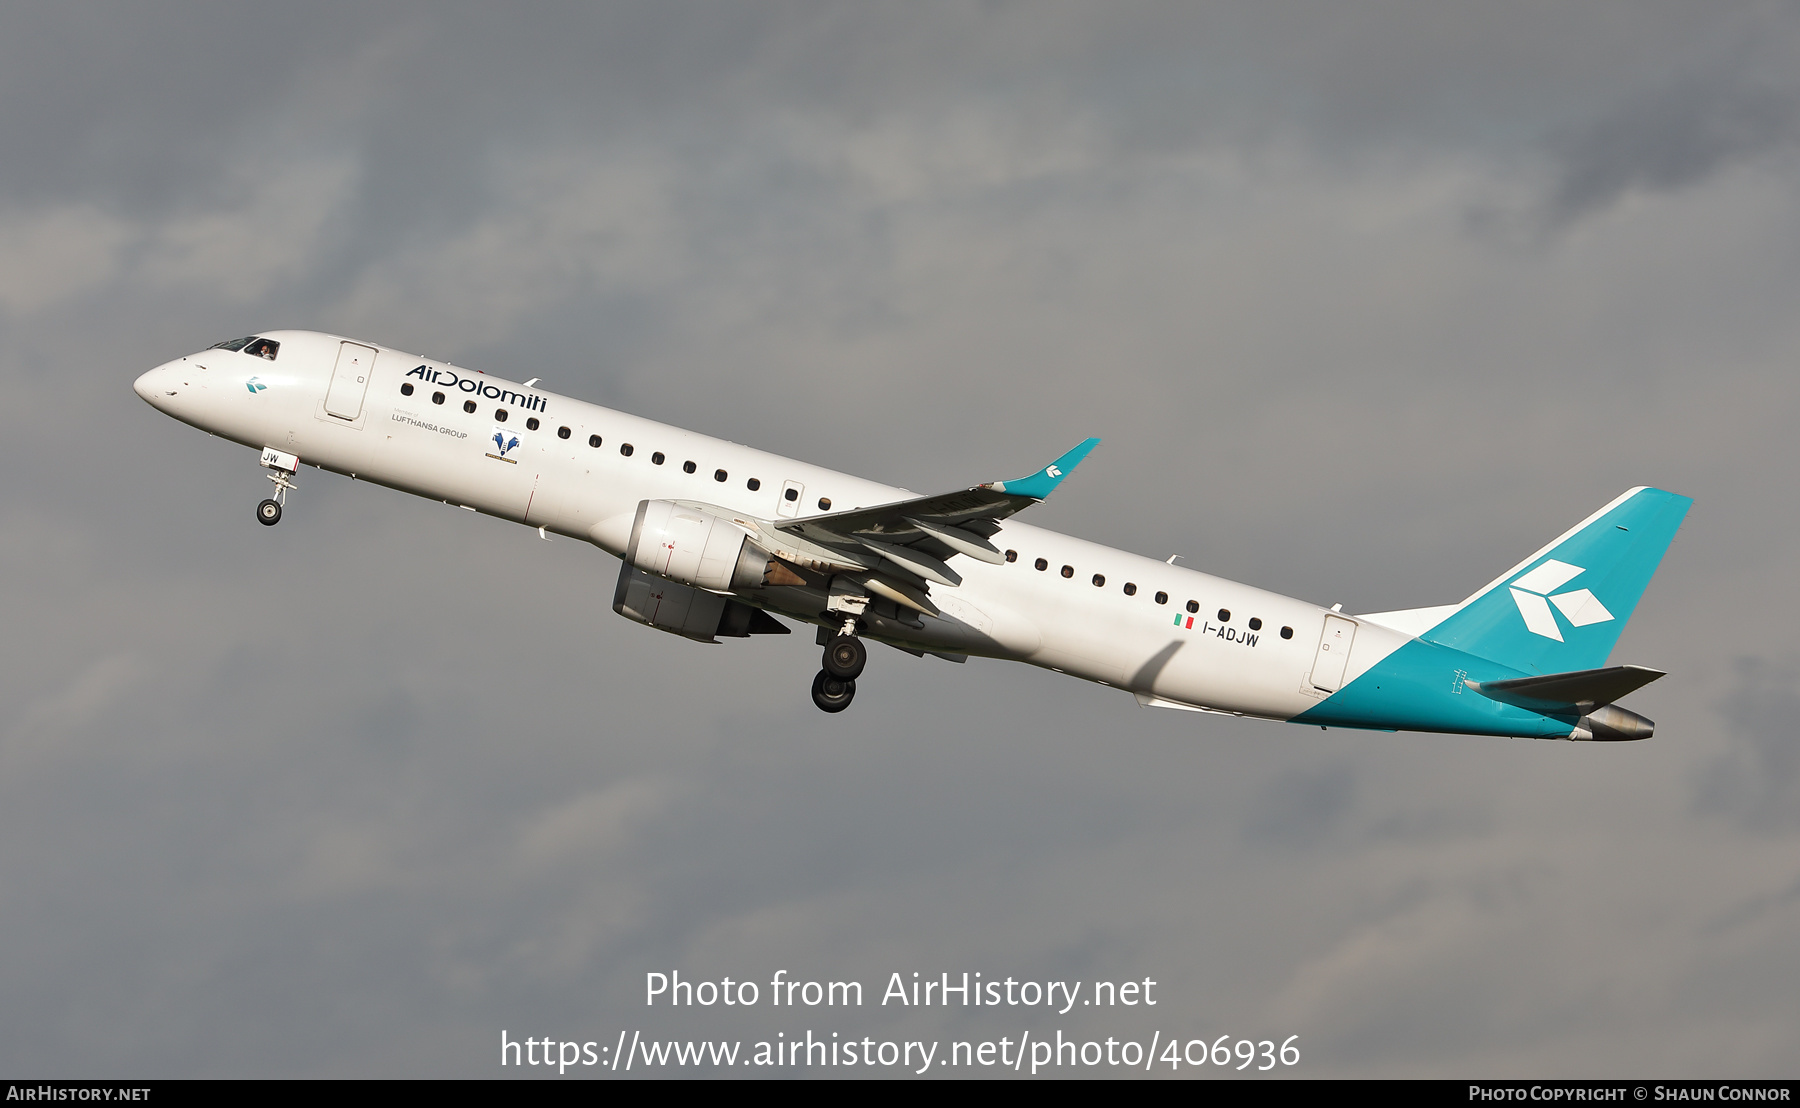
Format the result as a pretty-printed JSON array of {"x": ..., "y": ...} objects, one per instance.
[
  {"x": 961, "y": 541},
  {"x": 916, "y": 562}
]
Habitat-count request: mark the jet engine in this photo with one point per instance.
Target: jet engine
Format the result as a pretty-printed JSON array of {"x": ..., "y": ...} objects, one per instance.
[
  {"x": 695, "y": 546},
  {"x": 692, "y": 613}
]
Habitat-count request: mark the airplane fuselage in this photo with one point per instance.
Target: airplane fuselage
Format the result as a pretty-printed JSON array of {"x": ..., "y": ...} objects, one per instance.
[{"x": 1172, "y": 635}]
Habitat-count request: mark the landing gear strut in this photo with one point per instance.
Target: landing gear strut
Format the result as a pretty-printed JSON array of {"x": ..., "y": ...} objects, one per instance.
[
  {"x": 268, "y": 512},
  {"x": 845, "y": 656}
]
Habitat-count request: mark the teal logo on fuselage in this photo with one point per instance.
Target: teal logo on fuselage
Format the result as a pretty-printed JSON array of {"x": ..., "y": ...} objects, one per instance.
[{"x": 255, "y": 385}]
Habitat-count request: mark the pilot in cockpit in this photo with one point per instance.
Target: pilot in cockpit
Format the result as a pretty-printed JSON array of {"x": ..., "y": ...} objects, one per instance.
[{"x": 263, "y": 348}]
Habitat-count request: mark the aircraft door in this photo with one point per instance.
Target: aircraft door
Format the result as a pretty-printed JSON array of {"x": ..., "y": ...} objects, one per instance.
[
  {"x": 789, "y": 505},
  {"x": 349, "y": 380},
  {"x": 1334, "y": 653}
]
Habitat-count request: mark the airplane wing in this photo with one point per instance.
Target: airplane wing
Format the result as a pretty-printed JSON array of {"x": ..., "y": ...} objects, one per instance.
[{"x": 920, "y": 535}]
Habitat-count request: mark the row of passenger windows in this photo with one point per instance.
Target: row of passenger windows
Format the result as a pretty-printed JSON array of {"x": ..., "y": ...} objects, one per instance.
[
  {"x": 754, "y": 484},
  {"x": 658, "y": 458},
  {"x": 1131, "y": 589}
]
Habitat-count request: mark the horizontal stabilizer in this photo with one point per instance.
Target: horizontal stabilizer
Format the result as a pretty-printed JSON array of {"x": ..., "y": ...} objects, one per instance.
[{"x": 1582, "y": 689}]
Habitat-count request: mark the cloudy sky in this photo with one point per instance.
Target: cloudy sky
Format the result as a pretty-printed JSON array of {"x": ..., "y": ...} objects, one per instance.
[{"x": 1367, "y": 300}]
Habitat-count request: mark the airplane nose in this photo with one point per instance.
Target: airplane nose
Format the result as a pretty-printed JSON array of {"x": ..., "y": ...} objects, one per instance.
[{"x": 158, "y": 385}]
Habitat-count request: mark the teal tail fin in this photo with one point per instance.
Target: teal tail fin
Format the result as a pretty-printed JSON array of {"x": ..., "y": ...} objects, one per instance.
[{"x": 1564, "y": 607}]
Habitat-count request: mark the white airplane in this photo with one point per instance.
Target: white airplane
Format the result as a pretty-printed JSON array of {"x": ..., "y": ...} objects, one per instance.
[{"x": 714, "y": 536}]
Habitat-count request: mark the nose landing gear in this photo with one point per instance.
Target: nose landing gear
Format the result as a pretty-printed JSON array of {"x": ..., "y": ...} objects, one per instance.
[{"x": 268, "y": 512}]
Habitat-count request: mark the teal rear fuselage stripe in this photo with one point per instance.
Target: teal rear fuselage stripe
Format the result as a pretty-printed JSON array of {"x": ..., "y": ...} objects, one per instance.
[{"x": 1419, "y": 687}]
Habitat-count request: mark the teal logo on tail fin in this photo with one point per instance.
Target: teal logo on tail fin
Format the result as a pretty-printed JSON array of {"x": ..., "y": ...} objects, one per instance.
[{"x": 1564, "y": 607}]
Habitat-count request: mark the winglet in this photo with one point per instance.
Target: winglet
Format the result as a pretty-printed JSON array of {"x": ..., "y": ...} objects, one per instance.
[{"x": 1040, "y": 484}]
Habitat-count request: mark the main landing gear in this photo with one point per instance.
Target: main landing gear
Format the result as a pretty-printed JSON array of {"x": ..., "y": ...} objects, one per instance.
[
  {"x": 833, "y": 694},
  {"x": 845, "y": 655},
  {"x": 268, "y": 512}
]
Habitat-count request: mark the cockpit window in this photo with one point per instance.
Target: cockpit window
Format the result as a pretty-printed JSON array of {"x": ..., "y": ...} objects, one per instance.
[{"x": 252, "y": 345}]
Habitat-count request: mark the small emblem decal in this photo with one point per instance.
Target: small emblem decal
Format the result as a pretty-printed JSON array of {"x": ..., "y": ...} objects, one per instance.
[
  {"x": 505, "y": 442},
  {"x": 255, "y": 385}
]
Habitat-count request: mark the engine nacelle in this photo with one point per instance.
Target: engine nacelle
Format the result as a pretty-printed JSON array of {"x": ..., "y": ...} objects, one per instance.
[
  {"x": 682, "y": 610},
  {"x": 695, "y": 547}
]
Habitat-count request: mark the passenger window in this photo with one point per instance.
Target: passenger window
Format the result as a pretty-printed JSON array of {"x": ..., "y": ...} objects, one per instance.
[
  {"x": 532, "y": 424},
  {"x": 1041, "y": 564},
  {"x": 824, "y": 503},
  {"x": 720, "y": 475},
  {"x": 563, "y": 433},
  {"x": 1255, "y": 624},
  {"x": 1099, "y": 580},
  {"x": 688, "y": 467},
  {"x": 406, "y": 389},
  {"x": 656, "y": 459},
  {"x": 594, "y": 441},
  {"x": 499, "y": 415},
  {"x": 1068, "y": 571},
  {"x": 1162, "y": 598},
  {"x": 1287, "y": 632},
  {"x": 792, "y": 494},
  {"x": 1193, "y": 606},
  {"x": 753, "y": 484},
  {"x": 626, "y": 448},
  {"x": 1012, "y": 555},
  {"x": 1224, "y": 615},
  {"x": 437, "y": 398},
  {"x": 469, "y": 406},
  {"x": 1130, "y": 589}
]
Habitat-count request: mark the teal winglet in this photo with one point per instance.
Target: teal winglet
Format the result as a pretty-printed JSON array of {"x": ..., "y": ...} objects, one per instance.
[{"x": 1040, "y": 484}]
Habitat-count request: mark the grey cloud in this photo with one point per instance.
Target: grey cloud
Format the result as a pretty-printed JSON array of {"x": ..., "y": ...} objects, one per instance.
[
  {"x": 347, "y": 796},
  {"x": 1669, "y": 140},
  {"x": 1301, "y": 807},
  {"x": 1757, "y": 779}
]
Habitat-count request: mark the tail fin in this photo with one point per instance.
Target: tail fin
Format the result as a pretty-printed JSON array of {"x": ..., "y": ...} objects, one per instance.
[{"x": 1564, "y": 607}]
